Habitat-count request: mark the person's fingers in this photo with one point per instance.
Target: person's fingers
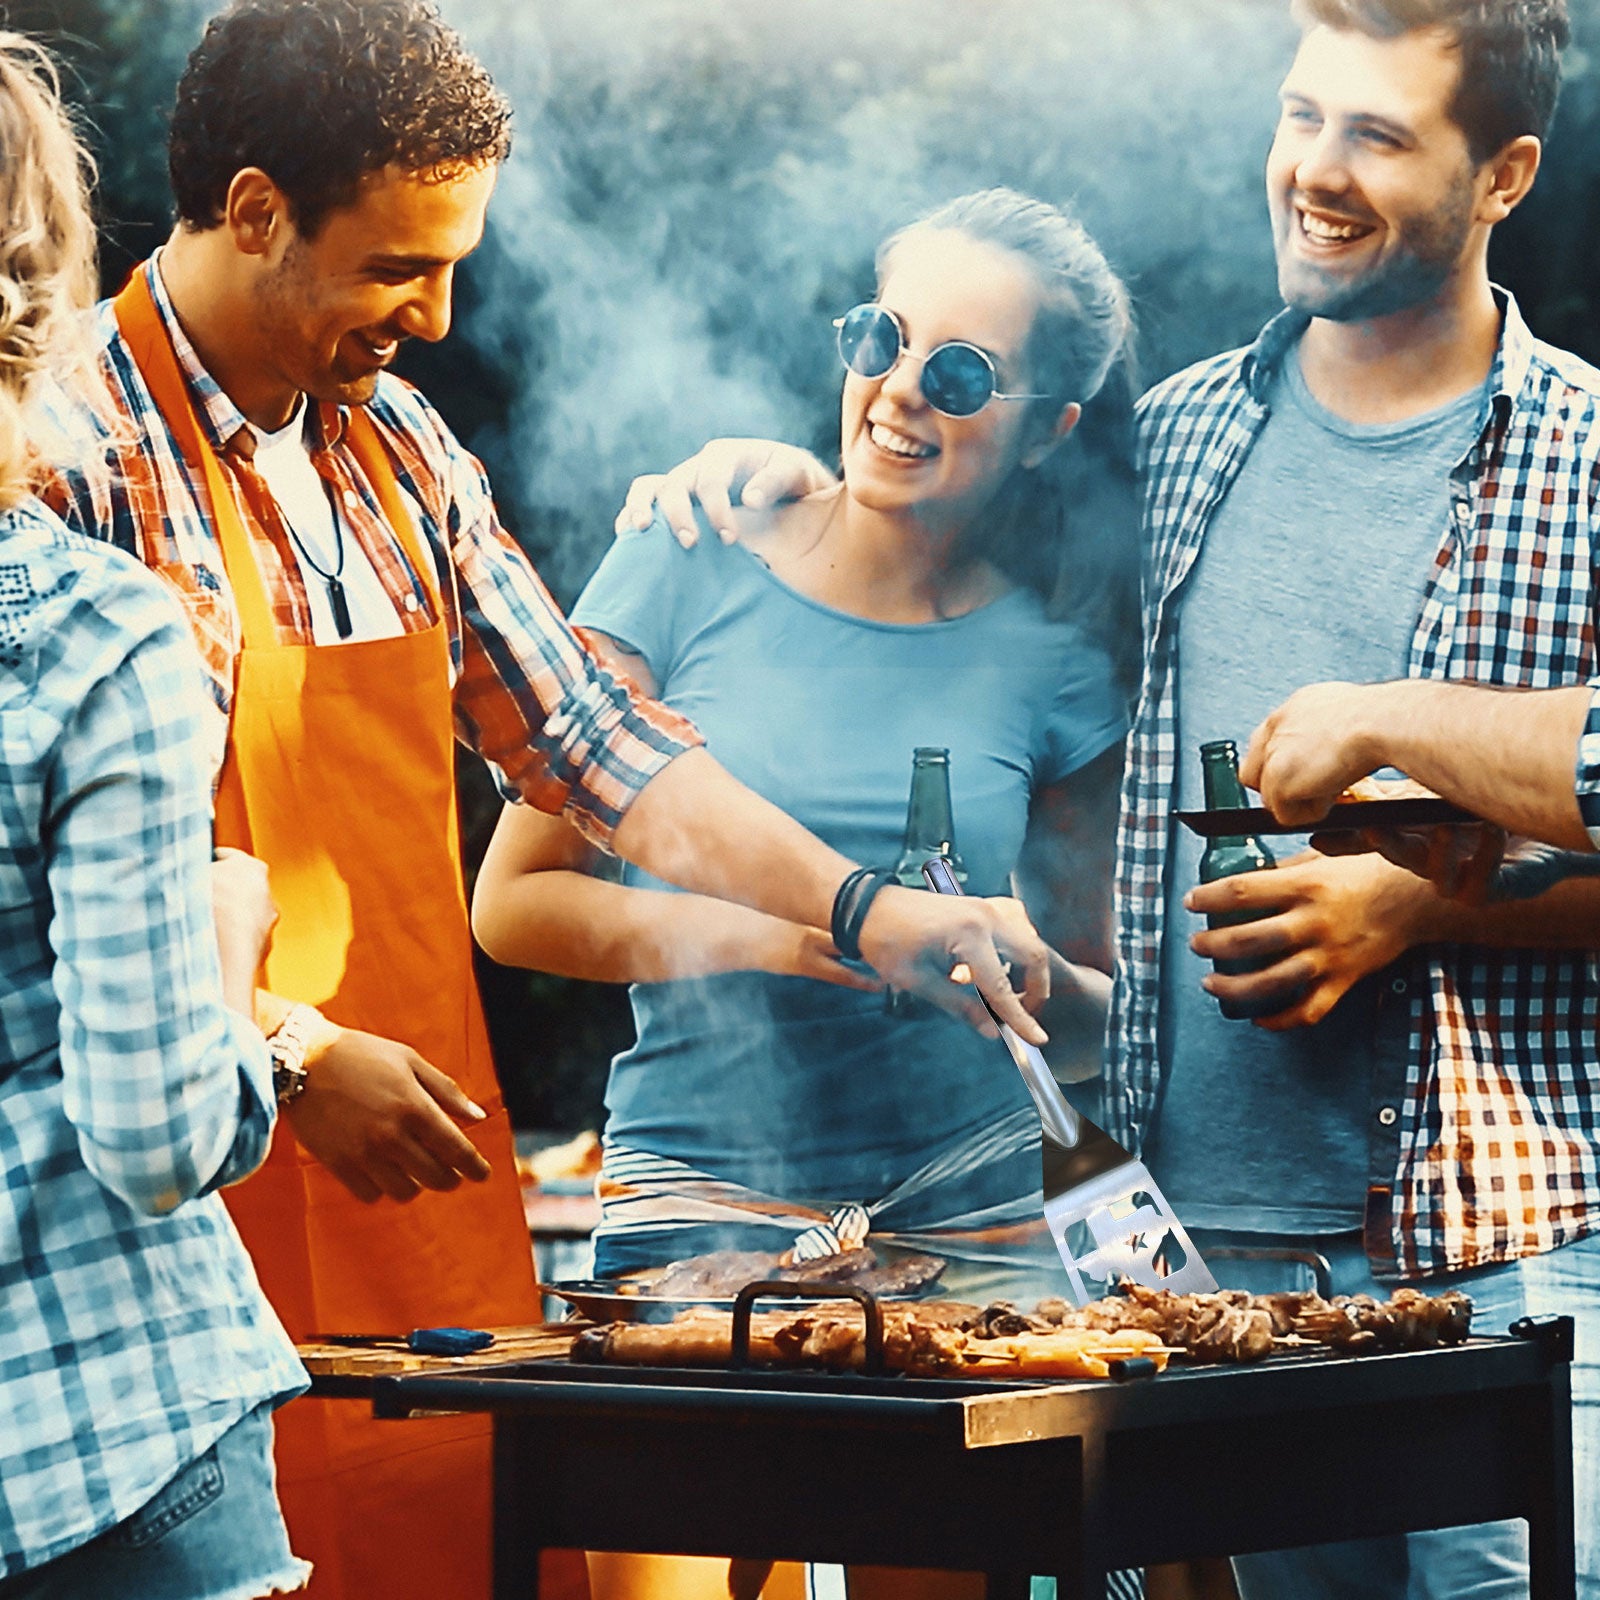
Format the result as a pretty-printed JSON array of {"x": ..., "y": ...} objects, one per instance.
[
  {"x": 786, "y": 475},
  {"x": 1243, "y": 893},
  {"x": 1300, "y": 809},
  {"x": 1029, "y": 956},
  {"x": 423, "y": 1167},
  {"x": 1304, "y": 1013},
  {"x": 817, "y": 958},
  {"x": 995, "y": 986},
  {"x": 1442, "y": 864},
  {"x": 432, "y": 1131},
  {"x": 1254, "y": 758},
  {"x": 712, "y": 488},
  {"x": 356, "y": 1181},
  {"x": 1269, "y": 939},
  {"x": 961, "y": 1000},
  {"x": 675, "y": 498},
  {"x": 848, "y": 977},
  {"x": 392, "y": 1180},
  {"x": 440, "y": 1138},
  {"x": 639, "y": 504},
  {"x": 1478, "y": 875},
  {"x": 1270, "y": 995},
  {"x": 767, "y": 484},
  {"x": 447, "y": 1093}
]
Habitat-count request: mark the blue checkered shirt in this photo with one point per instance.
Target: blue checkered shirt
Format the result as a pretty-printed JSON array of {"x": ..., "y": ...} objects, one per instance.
[
  {"x": 1484, "y": 1138},
  {"x": 132, "y": 1331}
]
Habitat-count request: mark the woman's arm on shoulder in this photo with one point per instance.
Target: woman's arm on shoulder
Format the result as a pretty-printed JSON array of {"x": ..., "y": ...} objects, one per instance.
[{"x": 750, "y": 472}]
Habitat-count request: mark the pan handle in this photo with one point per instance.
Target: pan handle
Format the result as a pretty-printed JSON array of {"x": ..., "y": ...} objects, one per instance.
[{"x": 744, "y": 1304}]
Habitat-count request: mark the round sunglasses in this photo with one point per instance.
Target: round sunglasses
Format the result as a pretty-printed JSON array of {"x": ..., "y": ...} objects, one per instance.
[{"x": 958, "y": 379}]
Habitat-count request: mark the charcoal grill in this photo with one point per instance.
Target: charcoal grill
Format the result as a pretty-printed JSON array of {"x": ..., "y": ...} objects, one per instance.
[{"x": 1016, "y": 1477}]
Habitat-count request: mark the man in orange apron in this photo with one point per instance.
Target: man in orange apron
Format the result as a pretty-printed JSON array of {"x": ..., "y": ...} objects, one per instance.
[{"x": 359, "y": 607}]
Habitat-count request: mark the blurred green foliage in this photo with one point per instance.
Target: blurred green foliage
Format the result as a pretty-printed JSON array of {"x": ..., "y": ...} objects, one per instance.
[{"x": 698, "y": 186}]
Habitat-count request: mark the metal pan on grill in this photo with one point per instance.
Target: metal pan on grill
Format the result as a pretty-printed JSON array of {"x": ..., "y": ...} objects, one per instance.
[
  {"x": 617, "y": 1300},
  {"x": 714, "y": 1281}
]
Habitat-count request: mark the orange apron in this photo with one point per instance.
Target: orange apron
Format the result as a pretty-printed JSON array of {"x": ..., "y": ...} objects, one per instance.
[{"x": 339, "y": 774}]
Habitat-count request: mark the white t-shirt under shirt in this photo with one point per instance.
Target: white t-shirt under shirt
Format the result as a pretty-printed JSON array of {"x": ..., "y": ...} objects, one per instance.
[{"x": 305, "y": 499}]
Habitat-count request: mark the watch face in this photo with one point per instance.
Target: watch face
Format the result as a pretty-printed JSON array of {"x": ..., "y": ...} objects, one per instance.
[{"x": 288, "y": 1077}]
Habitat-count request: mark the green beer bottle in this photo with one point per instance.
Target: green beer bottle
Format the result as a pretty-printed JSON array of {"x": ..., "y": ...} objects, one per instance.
[
  {"x": 930, "y": 831},
  {"x": 930, "y": 825},
  {"x": 1228, "y": 854}
]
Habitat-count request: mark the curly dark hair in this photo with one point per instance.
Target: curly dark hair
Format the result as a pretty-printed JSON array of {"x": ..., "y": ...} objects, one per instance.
[
  {"x": 320, "y": 93},
  {"x": 1510, "y": 56}
]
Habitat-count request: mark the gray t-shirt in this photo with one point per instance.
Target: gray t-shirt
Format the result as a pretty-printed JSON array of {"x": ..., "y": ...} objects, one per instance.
[{"x": 1313, "y": 568}]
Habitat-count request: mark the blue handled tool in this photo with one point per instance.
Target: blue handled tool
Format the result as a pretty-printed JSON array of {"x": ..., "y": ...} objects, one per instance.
[
  {"x": 1103, "y": 1209},
  {"x": 420, "y": 1341}
]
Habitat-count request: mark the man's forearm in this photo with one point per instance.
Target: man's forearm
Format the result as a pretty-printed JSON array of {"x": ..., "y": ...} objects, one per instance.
[
  {"x": 1565, "y": 917},
  {"x": 1506, "y": 755},
  {"x": 697, "y": 826}
]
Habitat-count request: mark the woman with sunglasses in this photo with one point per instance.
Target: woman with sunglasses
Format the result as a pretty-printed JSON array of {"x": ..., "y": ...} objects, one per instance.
[{"x": 940, "y": 595}]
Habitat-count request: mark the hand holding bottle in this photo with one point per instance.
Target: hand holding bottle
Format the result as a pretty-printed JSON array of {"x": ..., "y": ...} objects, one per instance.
[{"x": 1289, "y": 944}]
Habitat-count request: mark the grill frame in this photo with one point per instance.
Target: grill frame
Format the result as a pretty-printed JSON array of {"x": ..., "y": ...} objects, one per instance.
[{"x": 1011, "y": 1477}]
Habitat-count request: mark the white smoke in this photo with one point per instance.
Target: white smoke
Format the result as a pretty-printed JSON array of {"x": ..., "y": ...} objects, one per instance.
[{"x": 698, "y": 187}]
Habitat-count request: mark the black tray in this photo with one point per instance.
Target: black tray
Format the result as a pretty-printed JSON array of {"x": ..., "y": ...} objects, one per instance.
[{"x": 1349, "y": 815}]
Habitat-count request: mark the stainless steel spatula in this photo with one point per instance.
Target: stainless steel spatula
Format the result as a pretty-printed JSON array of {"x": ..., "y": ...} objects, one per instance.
[{"x": 1103, "y": 1209}]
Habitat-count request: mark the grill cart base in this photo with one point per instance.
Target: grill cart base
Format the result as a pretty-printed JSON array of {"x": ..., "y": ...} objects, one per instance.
[{"x": 1011, "y": 1479}]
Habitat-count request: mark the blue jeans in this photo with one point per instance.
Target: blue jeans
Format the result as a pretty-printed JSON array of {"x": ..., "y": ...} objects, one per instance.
[
  {"x": 1488, "y": 1562},
  {"x": 213, "y": 1533}
]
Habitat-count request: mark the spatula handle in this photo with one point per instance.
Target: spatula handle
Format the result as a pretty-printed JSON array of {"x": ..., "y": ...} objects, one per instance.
[{"x": 1056, "y": 1117}]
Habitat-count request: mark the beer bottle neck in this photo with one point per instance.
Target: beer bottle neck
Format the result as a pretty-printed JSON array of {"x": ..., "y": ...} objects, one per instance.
[
  {"x": 1219, "y": 768},
  {"x": 928, "y": 819}
]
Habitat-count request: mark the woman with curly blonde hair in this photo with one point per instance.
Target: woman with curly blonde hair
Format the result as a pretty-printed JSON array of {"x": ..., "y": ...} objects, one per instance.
[{"x": 140, "y": 1360}]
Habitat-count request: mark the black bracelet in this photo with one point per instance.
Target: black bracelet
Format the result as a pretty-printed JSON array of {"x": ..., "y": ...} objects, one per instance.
[
  {"x": 842, "y": 900},
  {"x": 851, "y": 905}
]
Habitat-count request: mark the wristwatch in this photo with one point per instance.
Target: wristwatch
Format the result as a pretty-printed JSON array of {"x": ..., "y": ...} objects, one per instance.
[{"x": 286, "y": 1047}]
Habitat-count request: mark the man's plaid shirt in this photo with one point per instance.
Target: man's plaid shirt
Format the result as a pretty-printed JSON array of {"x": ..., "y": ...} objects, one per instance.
[
  {"x": 563, "y": 734},
  {"x": 1485, "y": 1132}
]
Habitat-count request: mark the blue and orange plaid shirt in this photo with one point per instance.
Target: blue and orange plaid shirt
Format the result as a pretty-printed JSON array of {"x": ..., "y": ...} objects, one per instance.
[
  {"x": 561, "y": 732},
  {"x": 1484, "y": 1137}
]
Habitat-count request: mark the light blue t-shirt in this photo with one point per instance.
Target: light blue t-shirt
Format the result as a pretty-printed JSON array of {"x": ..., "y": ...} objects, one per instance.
[
  {"x": 1313, "y": 568},
  {"x": 793, "y": 1086}
]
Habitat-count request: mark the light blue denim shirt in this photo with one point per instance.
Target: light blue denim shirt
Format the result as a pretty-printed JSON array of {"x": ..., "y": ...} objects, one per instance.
[{"x": 133, "y": 1333}]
